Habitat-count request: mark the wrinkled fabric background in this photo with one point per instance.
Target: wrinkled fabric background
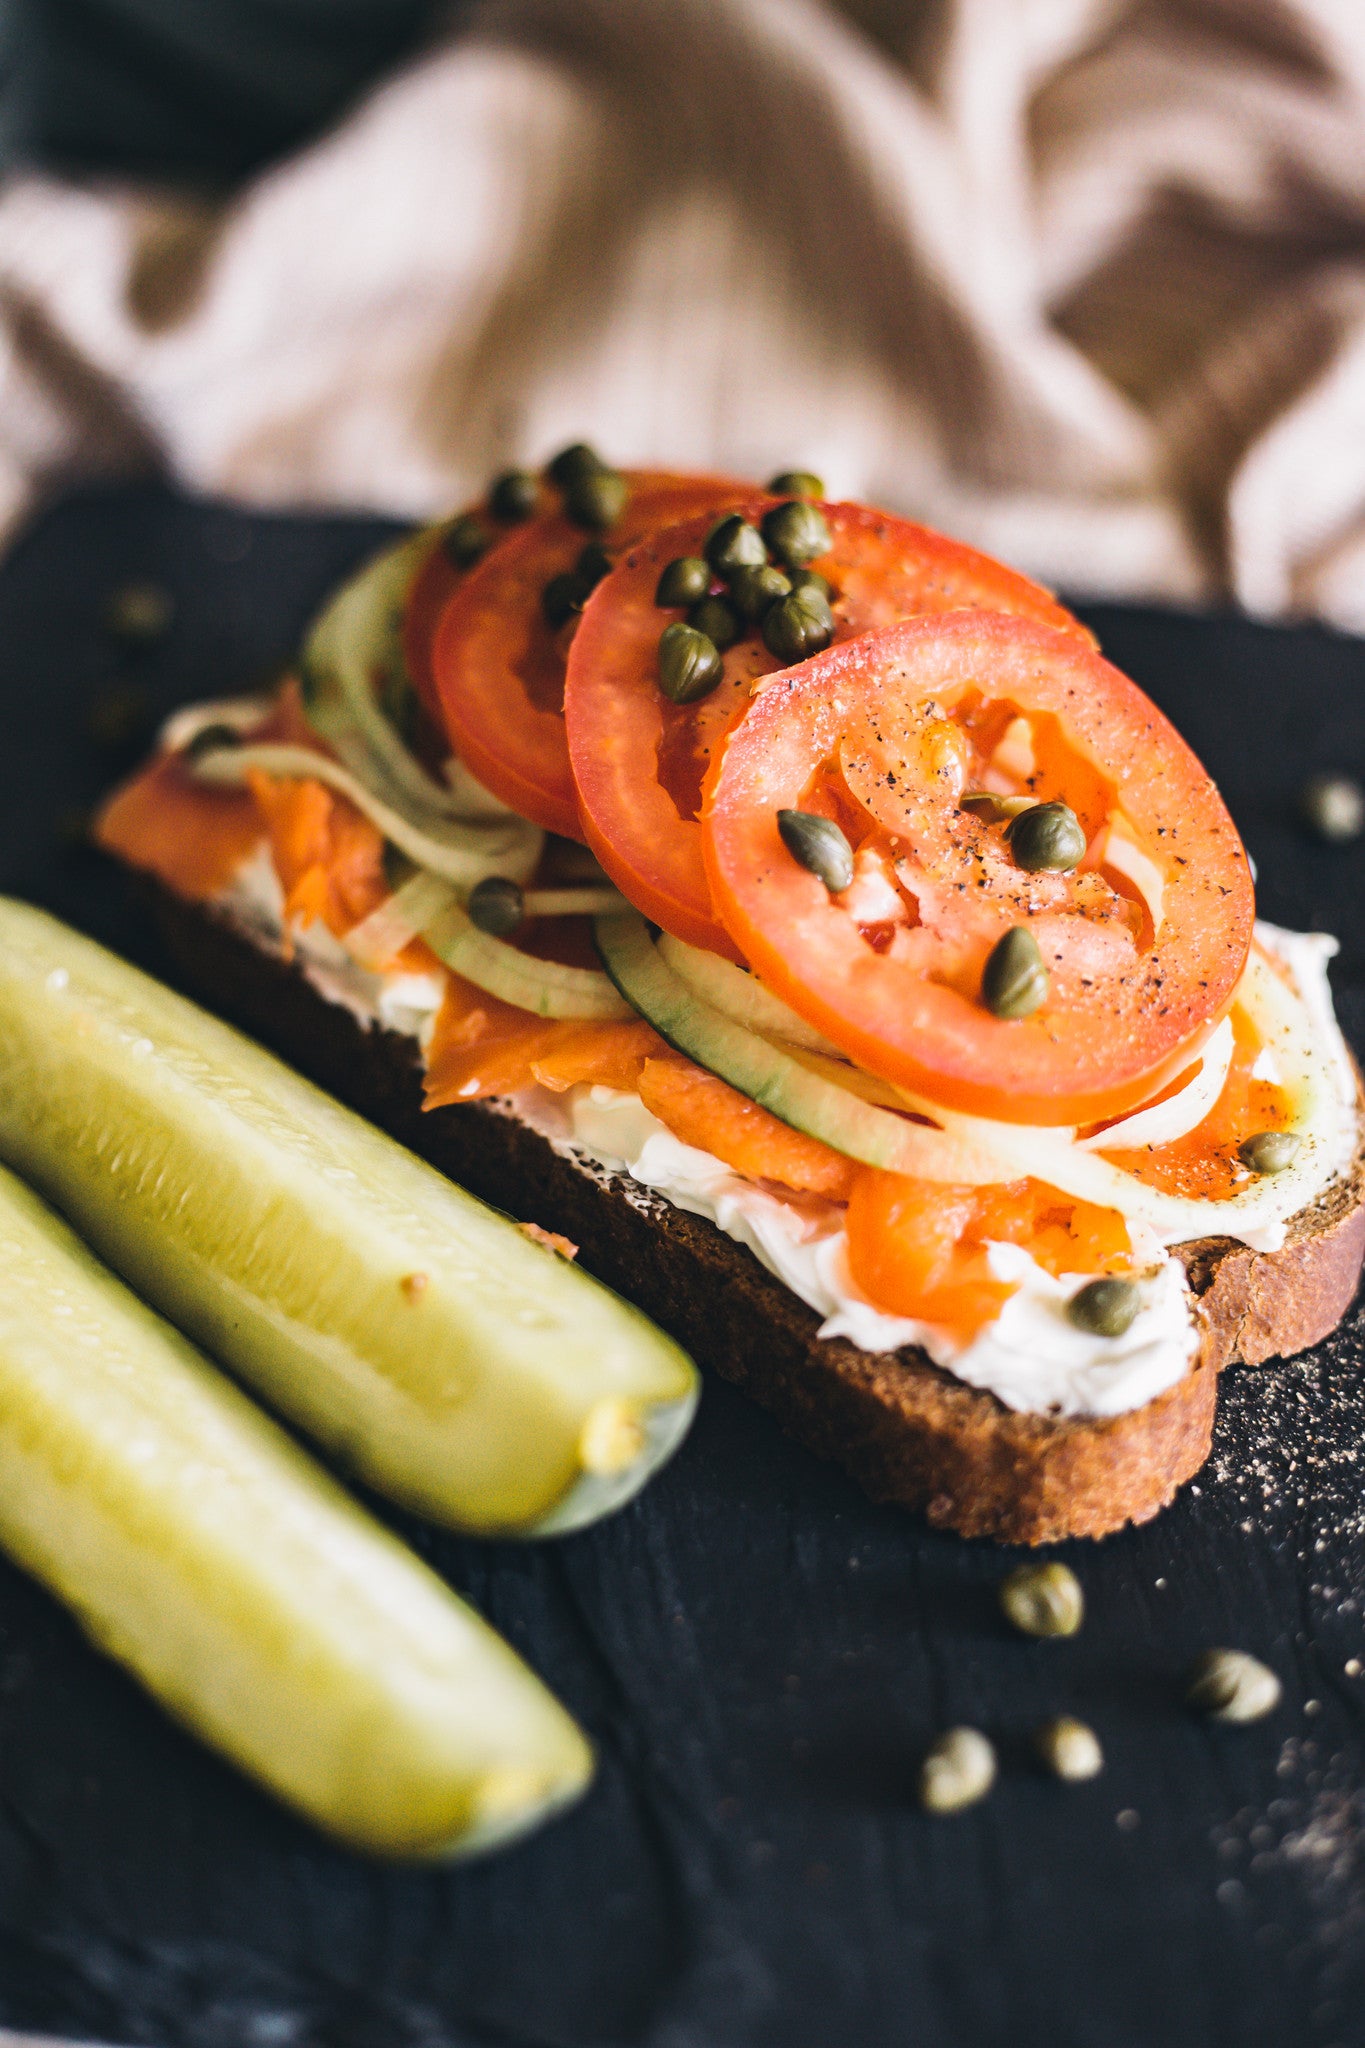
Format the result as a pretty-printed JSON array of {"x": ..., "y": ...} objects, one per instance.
[{"x": 1080, "y": 280}]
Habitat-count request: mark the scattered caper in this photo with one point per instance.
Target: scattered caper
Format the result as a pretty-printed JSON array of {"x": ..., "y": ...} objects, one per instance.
[
  {"x": 578, "y": 459},
  {"x": 466, "y": 539},
  {"x": 689, "y": 664},
  {"x": 714, "y": 617},
  {"x": 796, "y": 533},
  {"x": 797, "y": 483},
  {"x": 1014, "y": 979},
  {"x": 734, "y": 544},
  {"x": 993, "y": 809},
  {"x": 593, "y": 564},
  {"x": 1333, "y": 807},
  {"x": 496, "y": 905},
  {"x": 1069, "y": 1749},
  {"x": 563, "y": 596},
  {"x": 819, "y": 845},
  {"x": 1269, "y": 1151},
  {"x": 798, "y": 626},
  {"x": 808, "y": 579},
  {"x": 210, "y": 739},
  {"x": 1043, "y": 1599},
  {"x": 1047, "y": 839},
  {"x": 513, "y": 495},
  {"x": 596, "y": 499},
  {"x": 958, "y": 1769},
  {"x": 1105, "y": 1308},
  {"x": 1230, "y": 1686},
  {"x": 686, "y": 580},
  {"x": 753, "y": 590}
]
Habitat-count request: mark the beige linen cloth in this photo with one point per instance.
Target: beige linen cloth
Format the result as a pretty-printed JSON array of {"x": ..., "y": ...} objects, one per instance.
[{"x": 1080, "y": 280}]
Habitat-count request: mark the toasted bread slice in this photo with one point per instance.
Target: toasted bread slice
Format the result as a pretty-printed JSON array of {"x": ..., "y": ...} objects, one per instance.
[{"x": 905, "y": 1430}]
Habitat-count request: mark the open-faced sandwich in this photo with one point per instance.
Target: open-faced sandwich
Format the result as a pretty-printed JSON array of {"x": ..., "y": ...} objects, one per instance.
[{"x": 792, "y": 908}]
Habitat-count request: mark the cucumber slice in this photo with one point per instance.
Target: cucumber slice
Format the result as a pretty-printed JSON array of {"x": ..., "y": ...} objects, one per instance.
[
  {"x": 458, "y": 1366},
  {"x": 740, "y": 996},
  {"x": 200, "y": 1547}
]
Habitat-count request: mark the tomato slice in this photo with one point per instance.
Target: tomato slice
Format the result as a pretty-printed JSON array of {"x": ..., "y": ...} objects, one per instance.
[
  {"x": 639, "y": 762},
  {"x": 1143, "y": 944},
  {"x": 499, "y": 668}
]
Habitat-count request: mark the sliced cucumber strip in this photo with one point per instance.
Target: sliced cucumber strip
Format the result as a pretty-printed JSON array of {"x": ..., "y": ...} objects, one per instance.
[
  {"x": 201, "y": 1548},
  {"x": 739, "y": 996},
  {"x": 542, "y": 986},
  {"x": 458, "y": 1366}
]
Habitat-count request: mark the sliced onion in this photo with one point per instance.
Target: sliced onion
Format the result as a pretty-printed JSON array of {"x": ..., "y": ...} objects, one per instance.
[
  {"x": 378, "y": 938},
  {"x": 544, "y": 987},
  {"x": 1179, "y": 1114}
]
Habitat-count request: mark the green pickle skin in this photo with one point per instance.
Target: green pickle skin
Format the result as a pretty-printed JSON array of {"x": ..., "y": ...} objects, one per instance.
[
  {"x": 418, "y": 1335},
  {"x": 201, "y": 1548}
]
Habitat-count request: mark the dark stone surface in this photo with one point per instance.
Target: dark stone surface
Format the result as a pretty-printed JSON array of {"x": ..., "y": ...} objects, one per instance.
[{"x": 759, "y": 1653}]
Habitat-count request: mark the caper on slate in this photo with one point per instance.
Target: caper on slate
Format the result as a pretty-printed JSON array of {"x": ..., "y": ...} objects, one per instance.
[
  {"x": 797, "y": 483},
  {"x": 578, "y": 459},
  {"x": 1046, "y": 839},
  {"x": 138, "y": 613},
  {"x": 685, "y": 580},
  {"x": 1014, "y": 979},
  {"x": 958, "y": 1769},
  {"x": 798, "y": 626},
  {"x": 714, "y": 617},
  {"x": 466, "y": 539},
  {"x": 210, "y": 739},
  {"x": 1069, "y": 1749},
  {"x": 689, "y": 664},
  {"x": 1104, "y": 1308},
  {"x": 596, "y": 499},
  {"x": 513, "y": 495},
  {"x": 734, "y": 544},
  {"x": 819, "y": 845},
  {"x": 495, "y": 905},
  {"x": 1333, "y": 807},
  {"x": 993, "y": 809},
  {"x": 1269, "y": 1151},
  {"x": 1230, "y": 1686},
  {"x": 593, "y": 564},
  {"x": 753, "y": 590},
  {"x": 796, "y": 533},
  {"x": 1043, "y": 1599},
  {"x": 562, "y": 596}
]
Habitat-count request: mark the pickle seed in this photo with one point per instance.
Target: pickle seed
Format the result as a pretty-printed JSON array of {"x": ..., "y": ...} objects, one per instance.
[
  {"x": 820, "y": 847},
  {"x": 958, "y": 1769},
  {"x": 1230, "y": 1686},
  {"x": 1269, "y": 1151},
  {"x": 496, "y": 906},
  {"x": 1046, "y": 839},
  {"x": 1043, "y": 1600},
  {"x": 1069, "y": 1749},
  {"x": 1014, "y": 979},
  {"x": 1105, "y": 1308}
]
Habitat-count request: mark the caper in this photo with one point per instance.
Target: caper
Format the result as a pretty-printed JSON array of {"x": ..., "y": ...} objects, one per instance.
[
  {"x": 1043, "y": 1599},
  {"x": 714, "y": 617},
  {"x": 819, "y": 845},
  {"x": 958, "y": 1769},
  {"x": 596, "y": 499},
  {"x": 796, "y": 533},
  {"x": 798, "y": 626},
  {"x": 1333, "y": 807},
  {"x": 563, "y": 596},
  {"x": 685, "y": 581},
  {"x": 1014, "y": 979},
  {"x": 734, "y": 544},
  {"x": 689, "y": 664},
  {"x": 807, "y": 579},
  {"x": 1069, "y": 1749},
  {"x": 1230, "y": 1686},
  {"x": 1047, "y": 839},
  {"x": 513, "y": 495},
  {"x": 593, "y": 564},
  {"x": 578, "y": 459},
  {"x": 210, "y": 739},
  {"x": 496, "y": 905},
  {"x": 466, "y": 539},
  {"x": 993, "y": 809},
  {"x": 1105, "y": 1308},
  {"x": 1269, "y": 1151},
  {"x": 753, "y": 590},
  {"x": 797, "y": 483},
  {"x": 138, "y": 613}
]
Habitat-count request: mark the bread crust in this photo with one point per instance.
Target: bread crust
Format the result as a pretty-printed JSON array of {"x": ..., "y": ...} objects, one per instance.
[{"x": 903, "y": 1429}]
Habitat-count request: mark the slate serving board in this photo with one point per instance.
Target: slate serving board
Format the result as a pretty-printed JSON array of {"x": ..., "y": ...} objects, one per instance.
[{"x": 759, "y": 1654}]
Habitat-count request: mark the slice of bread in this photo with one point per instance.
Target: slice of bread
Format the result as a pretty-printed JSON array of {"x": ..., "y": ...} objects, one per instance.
[{"x": 905, "y": 1430}]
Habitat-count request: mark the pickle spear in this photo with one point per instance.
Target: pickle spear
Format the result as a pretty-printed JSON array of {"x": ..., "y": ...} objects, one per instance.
[
  {"x": 426, "y": 1341},
  {"x": 201, "y": 1548}
]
